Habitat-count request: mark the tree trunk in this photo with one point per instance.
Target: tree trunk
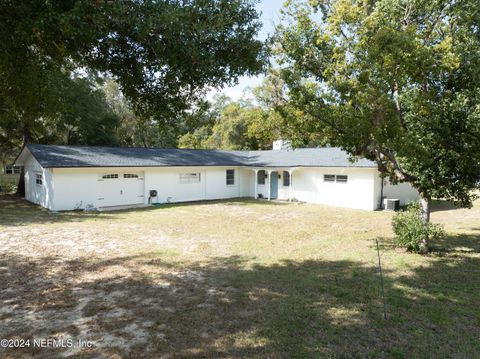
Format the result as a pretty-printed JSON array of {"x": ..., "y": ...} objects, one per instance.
[
  {"x": 21, "y": 180},
  {"x": 425, "y": 203},
  {"x": 21, "y": 184}
]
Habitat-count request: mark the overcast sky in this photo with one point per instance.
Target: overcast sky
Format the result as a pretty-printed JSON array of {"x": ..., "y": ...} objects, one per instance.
[{"x": 270, "y": 15}]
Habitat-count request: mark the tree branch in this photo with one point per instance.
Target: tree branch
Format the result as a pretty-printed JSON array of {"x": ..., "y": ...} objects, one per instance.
[{"x": 397, "y": 169}]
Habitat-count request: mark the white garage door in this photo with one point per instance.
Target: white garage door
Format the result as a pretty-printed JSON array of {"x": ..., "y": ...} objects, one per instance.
[{"x": 120, "y": 189}]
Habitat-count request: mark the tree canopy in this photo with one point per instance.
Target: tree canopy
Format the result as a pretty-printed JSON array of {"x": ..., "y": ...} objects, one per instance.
[
  {"x": 163, "y": 54},
  {"x": 396, "y": 81},
  {"x": 252, "y": 123}
]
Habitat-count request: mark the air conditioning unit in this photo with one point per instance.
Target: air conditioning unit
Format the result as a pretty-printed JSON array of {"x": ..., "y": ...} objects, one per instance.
[{"x": 391, "y": 204}]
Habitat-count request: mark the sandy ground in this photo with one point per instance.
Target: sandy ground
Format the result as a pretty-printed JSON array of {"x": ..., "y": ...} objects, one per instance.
[
  {"x": 174, "y": 283},
  {"x": 81, "y": 282}
]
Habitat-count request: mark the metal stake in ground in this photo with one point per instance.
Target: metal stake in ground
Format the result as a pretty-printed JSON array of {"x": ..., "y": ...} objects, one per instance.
[{"x": 381, "y": 282}]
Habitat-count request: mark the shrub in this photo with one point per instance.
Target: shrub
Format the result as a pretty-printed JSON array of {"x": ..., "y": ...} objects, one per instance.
[
  {"x": 7, "y": 188},
  {"x": 410, "y": 230}
]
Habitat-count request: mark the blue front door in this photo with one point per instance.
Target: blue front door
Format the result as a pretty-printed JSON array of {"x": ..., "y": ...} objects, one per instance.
[{"x": 274, "y": 185}]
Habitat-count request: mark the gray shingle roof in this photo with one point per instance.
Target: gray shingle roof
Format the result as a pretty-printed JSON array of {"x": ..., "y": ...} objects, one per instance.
[
  {"x": 51, "y": 156},
  {"x": 306, "y": 157}
]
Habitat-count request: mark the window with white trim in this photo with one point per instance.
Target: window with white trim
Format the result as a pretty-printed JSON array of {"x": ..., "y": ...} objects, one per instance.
[
  {"x": 261, "y": 177},
  {"x": 12, "y": 170},
  {"x": 130, "y": 175},
  {"x": 110, "y": 176},
  {"x": 193, "y": 177},
  {"x": 328, "y": 178},
  {"x": 39, "y": 179},
  {"x": 230, "y": 177},
  {"x": 286, "y": 178},
  {"x": 335, "y": 178}
]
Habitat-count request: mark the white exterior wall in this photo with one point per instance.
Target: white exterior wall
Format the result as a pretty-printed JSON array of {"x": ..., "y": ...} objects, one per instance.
[
  {"x": 402, "y": 191},
  {"x": 247, "y": 182},
  {"x": 76, "y": 188},
  {"x": 283, "y": 190},
  {"x": 215, "y": 183},
  {"x": 262, "y": 188},
  {"x": 36, "y": 193},
  {"x": 212, "y": 185},
  {"x": 308, "y": 185},
  {"x": 377, "y": 188}
]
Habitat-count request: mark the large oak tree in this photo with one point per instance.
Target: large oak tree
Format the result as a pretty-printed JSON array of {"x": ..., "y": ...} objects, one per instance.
[
  {"x": 396, "y": 81},
  {"x": 164, "y": 54}
]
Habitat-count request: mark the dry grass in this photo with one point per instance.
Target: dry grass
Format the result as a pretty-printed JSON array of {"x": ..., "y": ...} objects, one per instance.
[{"x": 236, "y": 278}]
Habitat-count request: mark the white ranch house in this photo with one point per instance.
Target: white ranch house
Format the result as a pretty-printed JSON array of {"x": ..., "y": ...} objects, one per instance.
[{"x": 73, "y": 177}]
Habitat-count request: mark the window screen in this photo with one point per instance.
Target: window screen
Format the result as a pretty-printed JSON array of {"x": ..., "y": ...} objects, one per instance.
[
  {"x": 335, "y": 178},
  {"x": 39, "y": 179},
  {"x": 193, "y": 177},
  {"x": 286, "y": 178},
  {"x": 230, "y": 174},
  {"x": 12, "y": 170},
  {"x": 261, "y": 177},
  {"x": 329, "y": 178}
]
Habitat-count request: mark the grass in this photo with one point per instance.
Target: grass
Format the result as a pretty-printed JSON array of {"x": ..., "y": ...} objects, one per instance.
[{"x": 237, "y": 278}]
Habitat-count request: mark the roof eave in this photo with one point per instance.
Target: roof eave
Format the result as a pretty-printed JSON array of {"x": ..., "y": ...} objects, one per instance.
[
  {"x": 22, "y": 156},
  {"x": 212, "y": 165}
]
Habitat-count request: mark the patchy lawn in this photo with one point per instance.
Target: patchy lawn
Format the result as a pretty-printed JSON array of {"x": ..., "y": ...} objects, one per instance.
[{"x": 238, "y": 279}]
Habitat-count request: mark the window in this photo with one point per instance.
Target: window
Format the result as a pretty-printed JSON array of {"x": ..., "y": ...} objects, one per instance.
[
  {"x": 190, "y": 177},
  {"x": 328, "y": 178},
  {"x": 261, "y": 177},
  {"x": 286, "y": 179},
  {"x": 39, "y": 179},
  {"x": 110, "y": 176},
  {"x": 335, "y": 178},
  {"x": 230, "y": 177},
  {"x": 130, "y": 175},
  {"x": 12, "y": 170}
]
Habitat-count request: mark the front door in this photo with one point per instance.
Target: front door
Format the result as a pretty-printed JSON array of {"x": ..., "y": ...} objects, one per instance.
[{"x": 274, "y": 185}]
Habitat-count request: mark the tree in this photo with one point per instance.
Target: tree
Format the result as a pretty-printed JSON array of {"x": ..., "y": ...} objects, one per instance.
[
  {"x": 84, "y": 116},
  {"x": 251, "y": 124},
  {"x": 239, "y": 125},
  {"x": 198, "y": 124},
  {"x": 283, "y": 119},
  {"x": 164, "y": 54},
  {"x": 73, "y": 111},
  {"x": 134, "y": 130},
  {"x": 8, "y": 143},
  {"x": 395, "y": 81},
  {"x": 229, "y": 132},
  {"x": 196, "y": 139}
]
